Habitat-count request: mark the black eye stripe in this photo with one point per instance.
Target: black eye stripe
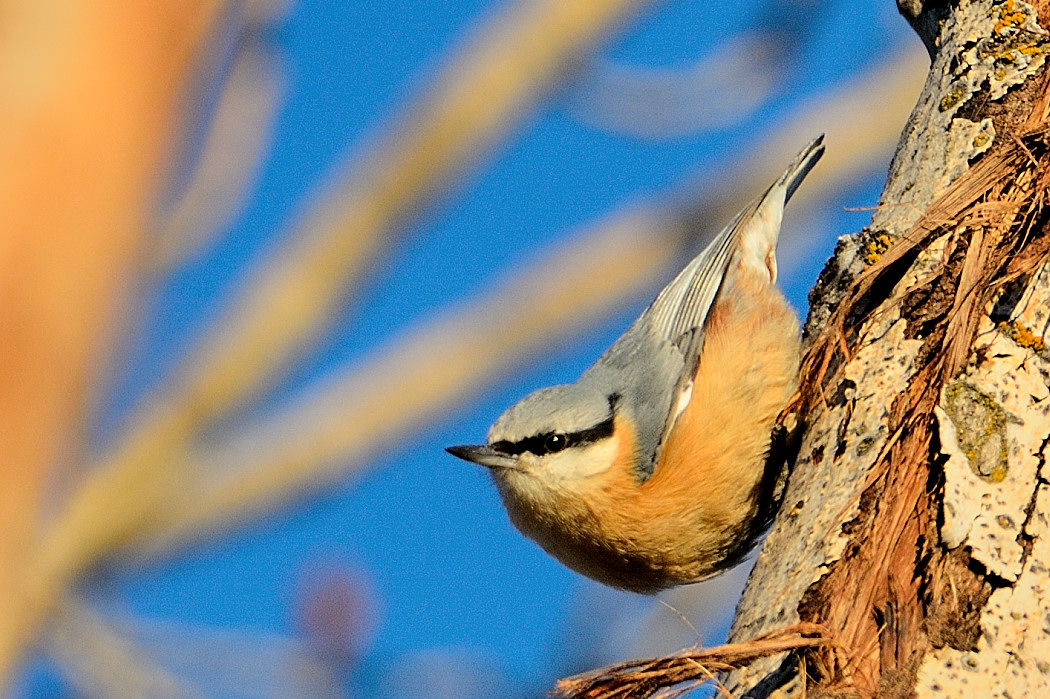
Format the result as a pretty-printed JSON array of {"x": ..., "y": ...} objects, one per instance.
[
  {"x": 556, "y": 442},
  {"x": 539, "y": 445}
]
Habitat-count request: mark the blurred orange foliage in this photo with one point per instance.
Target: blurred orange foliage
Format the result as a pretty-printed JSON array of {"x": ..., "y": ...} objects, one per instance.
[{"x": 90, "y": 93}]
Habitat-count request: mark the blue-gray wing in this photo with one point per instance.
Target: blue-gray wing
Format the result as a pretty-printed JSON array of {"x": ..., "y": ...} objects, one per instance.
[
  {"x": 682, "y": 307},
  {"x": 680, "y": 311},
  {"x": 653, "y": 363}
]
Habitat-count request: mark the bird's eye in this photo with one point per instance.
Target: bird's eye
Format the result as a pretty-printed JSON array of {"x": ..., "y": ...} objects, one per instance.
[{"x": 555, "y": 442}]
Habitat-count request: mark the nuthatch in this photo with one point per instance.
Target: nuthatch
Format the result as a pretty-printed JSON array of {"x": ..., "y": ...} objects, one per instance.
[{"x": 646, "y": 473}]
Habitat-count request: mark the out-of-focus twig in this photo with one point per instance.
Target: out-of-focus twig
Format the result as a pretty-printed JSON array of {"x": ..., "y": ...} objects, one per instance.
[
  {"x": 719, "y": 89},
  {"x": 112, "y": 656},
  {"x": 284, "y": 308},
  {"x": 100, "y": 661},
  {"x": 482, "y": 91},
  {"x": 89, "y": 91},
  {"x": 235, "y": 145},
  {"x": 257, "y": 13},
  {"x": 861, "y": 121}
]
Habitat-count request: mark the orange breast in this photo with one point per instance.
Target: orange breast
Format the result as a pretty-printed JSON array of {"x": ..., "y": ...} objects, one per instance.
[{"x": 697, "y": 506}]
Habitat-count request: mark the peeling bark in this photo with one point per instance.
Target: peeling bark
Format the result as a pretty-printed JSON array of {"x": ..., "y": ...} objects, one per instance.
[{"x": 915, "y": 525}]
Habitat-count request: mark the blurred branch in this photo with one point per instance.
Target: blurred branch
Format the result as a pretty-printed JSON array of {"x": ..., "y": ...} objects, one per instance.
[
  {"x": 135, "y": 657},
  {"x": 861, "y": 120},
  {"x": 473, "y": 102},
  {"x": 483, "y": 90},
  {"x": 716, "y": 91},
  {"x": 235, "y": 146},
  {"x": 287, "y": 304},
  {"x": 360, "y": 409},
  {"x": 89, "y": 91},
  {"x": 101, "y": 662},
  {"x": 236, "y": 662},
  {"x": 258, "y": 13}
]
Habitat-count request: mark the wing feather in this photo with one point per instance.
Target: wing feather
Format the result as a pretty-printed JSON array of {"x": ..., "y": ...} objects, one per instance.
[
  {"x": 683, "y": 305},
  {"x": 670, "y": 332},
  {"x": 680, "y": 312}
]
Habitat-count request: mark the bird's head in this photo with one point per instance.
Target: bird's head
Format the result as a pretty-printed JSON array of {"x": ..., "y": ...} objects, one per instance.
[{"x": 553, "y": 441}]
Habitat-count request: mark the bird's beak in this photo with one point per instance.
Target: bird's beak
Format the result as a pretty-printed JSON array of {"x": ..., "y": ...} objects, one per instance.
[{"x": 484, "y": 455}]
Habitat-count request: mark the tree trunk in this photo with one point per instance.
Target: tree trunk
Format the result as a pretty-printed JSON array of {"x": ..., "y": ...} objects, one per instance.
[{"x": 915, "y": 525}]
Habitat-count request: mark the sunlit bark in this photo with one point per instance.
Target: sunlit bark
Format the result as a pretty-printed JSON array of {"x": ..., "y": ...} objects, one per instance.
[{"x": 914, "y": 525}]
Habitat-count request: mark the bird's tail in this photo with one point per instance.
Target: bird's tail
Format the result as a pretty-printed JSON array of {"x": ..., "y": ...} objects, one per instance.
[{"x": 800, "y": 167}]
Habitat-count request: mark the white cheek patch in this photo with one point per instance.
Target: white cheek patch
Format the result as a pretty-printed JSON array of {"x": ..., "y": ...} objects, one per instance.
[{"x": 573, "y": 466}]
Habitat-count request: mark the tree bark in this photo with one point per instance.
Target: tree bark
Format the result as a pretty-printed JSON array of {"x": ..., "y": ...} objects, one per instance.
[{"x": 915, "y": 523}]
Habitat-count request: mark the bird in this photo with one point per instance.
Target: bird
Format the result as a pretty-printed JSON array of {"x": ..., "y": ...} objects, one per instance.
[{"x": 648, "y": 471}]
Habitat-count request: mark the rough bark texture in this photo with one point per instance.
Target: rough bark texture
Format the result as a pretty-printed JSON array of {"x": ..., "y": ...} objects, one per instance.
[{"x": 915, "y": 526}]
